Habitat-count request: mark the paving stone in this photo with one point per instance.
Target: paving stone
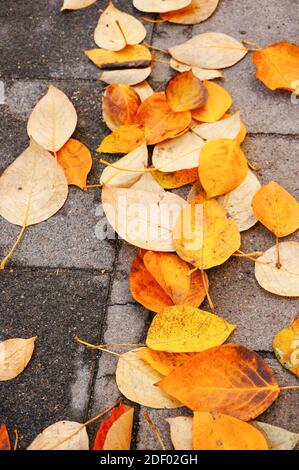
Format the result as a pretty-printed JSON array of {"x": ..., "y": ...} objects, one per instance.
[{"x": 54, "y": 305}]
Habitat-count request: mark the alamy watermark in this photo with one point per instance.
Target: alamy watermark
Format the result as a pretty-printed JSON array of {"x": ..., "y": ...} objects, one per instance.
[{"x": 2, "y": 92}]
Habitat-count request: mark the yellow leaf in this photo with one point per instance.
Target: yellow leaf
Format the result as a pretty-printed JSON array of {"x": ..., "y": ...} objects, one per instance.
[
  {"x": 14, "y": 356},
  {"x": 161, "y": 361},
  {"x": 219, "y": 101},
  {"x": 182, "y": 328},
  {"x": 286, "y": 346},
  {"x": 158, "y": 6},
  {"x": 222, "y": 166},
  {"x": 131, "y": 57},
  {"x": 196, "y": 12},
  {"x": 123, "y": 139},
  {"x": 76, "y": 160},
  {"x": 176, "y": 179}
]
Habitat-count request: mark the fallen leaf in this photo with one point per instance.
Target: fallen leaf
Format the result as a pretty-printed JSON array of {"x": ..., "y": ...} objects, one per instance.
[
  {"x": 63, "y": 435},
  {"x": 185, "y": 92},
  {"x": 161, "y": 361},
  {"x": 278, "y": 438},
  {"x": 277, "y": 66},
  {"x": 116, "y": 29},
  {"x": 126, "y": 77},
  {"x": 228, "y": 128},
  {"x": 123, "y": 139},
  {"x": 76, "y": 160},
  {"x": 238, "y": 203},
  {"x": 286, "y": 346},
  {"x": 159, "y": 6},
  {"x": 209, "y": 51},
  {"x": 14, "y": 356},
  {"x": 219, "y": 101},
  {"x": 115, "y": 432},
  {"x": 203, "y": 236},
  {"x": 76, "y": 4},
  {"x": 118, "y": 176},
  {"x": 119, "y": 105},
  {"x": 196, "y": 12},
  {"x": 161, "y": 122},
  {"x": 176, "y": 154},
  {"x": 181, "y": 432},
  {"x": 284, "y": 280},
  {"x": 142, "y": 218},
  {"x": 144, "y": 90},
  {"x": 243, "y": 131},
  {"x": 53, "y": 120},
  {"x": 217, "y": 431},
  {"x": 202, "y": 74},
  {"x": 230, "y": 379},
  {"x": 4, "y": 438},
  {"x": 176, "y": 179},
  {"x": 277, "y": 209},
  {"x": 136, "y": 381},
  {"x": 131, "y": 57},
  {"x": 183, "y": 328},
  {"x": 149, "y": 184},
  {"x": 32, "y": 188},
  {"x": 222, "y": 167}
]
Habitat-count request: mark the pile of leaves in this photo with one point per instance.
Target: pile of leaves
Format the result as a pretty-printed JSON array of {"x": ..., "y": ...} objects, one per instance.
[{"x": 183, "y": 135}]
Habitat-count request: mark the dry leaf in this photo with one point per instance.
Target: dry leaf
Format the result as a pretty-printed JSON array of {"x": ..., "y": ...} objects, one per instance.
[
  {"x": 4, "y": 438},
  {"x": 159, "y": 6},
  {"x": 203, "y": 236},
  {"x": 116, "y": 29},
  {"x": 202, "y": 74},
  {"x": 76, "y": 4},
  {"x": 183, "y": 328},
  {"x": 286, "y": 346},
  {"x": 159, "y": 280},
  {"x": 284, "y": 280},
  {"x": 136, "y": 381},
  {"x": 219, "y": 101},
  {"x": 53, "y": 120},
  {"x": 76, "y": 160},
  {"x": 228, "y": 128},
  {"x": 176, "y": 179},
  {"x": 144, "y": 90},
  {"x": 142, "y": 218},
  {"x": 209, "y": 51},
  {"x": 222, "y": 167},
  {"x": 277, "y": 209},
  {"x": 196, "y": 12},
  {"x": 131, "y": 57},
  {"x": 119, "y": 105},
  {"x": 148, "y": 183},
  {"x": 243, "y": 131},
  {"x": 162, "y": 123},
  {"x": 63, "y": 435},
  {"x": 126, "y": 77},
  {"x": 216, "y": 431},
  {"x": 115, "y": 432},
  {"x": 181, "y": 432},
  {"x": 277, "y": 66},
  {"x": 161, "y": 361},
  {"x": 118, "y": 176},
  {"x": 123, "y": 139},
  {"x": 238, "y": 203},
  {"x": 32, "y": 188},
  {"x": 185, "y": 92},
  {"x": 246, "y": 389},
  {"x": 14, "y": 356},
  {"x": 176, "y": 154},
  {"x": 278, "y": 438}
]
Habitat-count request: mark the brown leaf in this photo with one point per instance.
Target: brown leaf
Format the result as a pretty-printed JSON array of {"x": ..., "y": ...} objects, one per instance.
[{"x": 185, "y": 92}]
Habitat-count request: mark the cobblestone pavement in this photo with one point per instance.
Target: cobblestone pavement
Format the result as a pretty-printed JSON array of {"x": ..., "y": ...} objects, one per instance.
[{"x": 66, "y": 282}]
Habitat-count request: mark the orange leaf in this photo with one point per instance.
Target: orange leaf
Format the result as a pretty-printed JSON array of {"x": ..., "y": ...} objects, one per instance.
[
  {"x": 216, "y": 431},
  {"x": 4, "y": 438},
  {"x": 162, "y": 123},
  {"x": 120, "y": 105},
  {"x": 163, "y": 362},
  {"x": 123, "y": 139},
  {"x": 230, "y": 379},
  {"x": 159, "y": 280},
  {"x": 131, "y": 57},
  {"x": 76, "y": 160},
  {"x": 277, "y": 66},
  {"x": 219, "y": 101},
  {"x": 185, "y": 92},
  {"x": 277, "y": 209},
  {"x": 114, "y": 432},
  {"x": 176, "y": 179}
]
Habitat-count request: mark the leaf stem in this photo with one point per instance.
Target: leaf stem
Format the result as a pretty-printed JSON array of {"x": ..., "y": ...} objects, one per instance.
[
  {"x": 4, "y": 261},
  {"x": 278, "y": 263},
  {"x": 290, "y": 387},
  {"x": 154, "y": 429},
  {"x": 203, "y": 275},
  {"x": 90, "y": 186},
  {"x": 156, "y": 48},
  {"x": 149, "y": 20},
  {"x": 16, "y": 439}
]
